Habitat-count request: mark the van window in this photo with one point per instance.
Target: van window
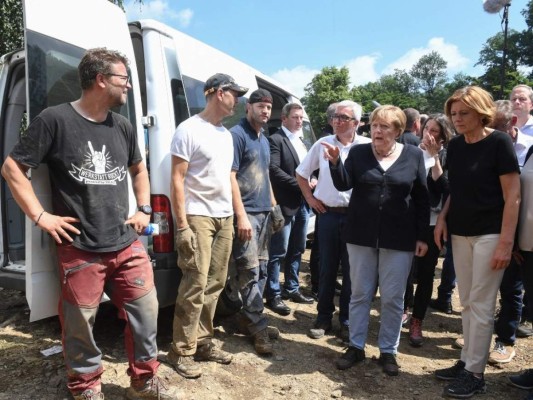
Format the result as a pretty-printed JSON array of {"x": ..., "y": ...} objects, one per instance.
[
  {"x": 180, "y": 104},
  {"x": 194, "y": 90},
  {"x": 53, "y": 75}
]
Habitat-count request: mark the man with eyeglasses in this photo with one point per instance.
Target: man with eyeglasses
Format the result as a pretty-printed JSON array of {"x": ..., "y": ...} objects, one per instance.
[
  {"x": 331, "y": 206},
  {"x": 522, "y": 99},
  {"x": 89, "y": 149},
  {"x": 201, "y": 194},
  {"x": 287, "y": 246}
]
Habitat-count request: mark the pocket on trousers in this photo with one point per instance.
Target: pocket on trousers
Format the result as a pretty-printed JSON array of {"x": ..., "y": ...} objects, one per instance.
[{"x": 82, "y": 281}]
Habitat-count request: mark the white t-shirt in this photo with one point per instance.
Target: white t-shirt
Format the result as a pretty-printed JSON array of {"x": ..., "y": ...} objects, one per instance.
[
  {"x": 325, "y": 191},
  {"x": 209, "y": 151}
]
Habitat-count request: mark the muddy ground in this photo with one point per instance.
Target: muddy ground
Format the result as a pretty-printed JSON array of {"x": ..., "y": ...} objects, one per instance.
[{"x": 301, "y": 368}]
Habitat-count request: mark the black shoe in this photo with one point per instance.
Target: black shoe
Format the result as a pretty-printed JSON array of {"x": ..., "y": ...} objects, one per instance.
[
  {"x": 523, "y": 381},
  {"x": 389, "y": 364},
  {"x": 352, "y": 356},
  {"x": 297, "y": 297},
  {"x": 442, "y": 306},
  {"x": 344, "y": 333},
  {"x": 319, "y": 329},
  {"x": 278, "y": 306},
  {"x": 448, "y": 374},
  {"x": 465, "y": 386}
]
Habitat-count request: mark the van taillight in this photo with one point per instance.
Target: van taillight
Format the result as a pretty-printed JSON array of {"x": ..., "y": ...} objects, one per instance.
[{"x": 162, "y": 215}]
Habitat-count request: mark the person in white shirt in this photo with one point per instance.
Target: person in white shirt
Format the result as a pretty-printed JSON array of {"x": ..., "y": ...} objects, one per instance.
[
  {"x": 522, "y": 100},
  {"x": 332, "y": 206}
]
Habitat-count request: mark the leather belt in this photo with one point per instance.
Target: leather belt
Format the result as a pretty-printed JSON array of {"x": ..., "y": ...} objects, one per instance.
[{"x": 338, "y": 210}]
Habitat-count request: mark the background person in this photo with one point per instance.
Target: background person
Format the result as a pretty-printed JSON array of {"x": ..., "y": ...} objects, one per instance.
[
  {"x": 388, "y": 220},
  {"x": 481, "y": 214},
  {"x": 437, "y": 132},
  {"x": 287, "y": 246},
  {"x": 97, "y": 244}
]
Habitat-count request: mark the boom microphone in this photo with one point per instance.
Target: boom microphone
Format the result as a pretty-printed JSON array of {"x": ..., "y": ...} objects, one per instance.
[{"x": 494, "y": 6}]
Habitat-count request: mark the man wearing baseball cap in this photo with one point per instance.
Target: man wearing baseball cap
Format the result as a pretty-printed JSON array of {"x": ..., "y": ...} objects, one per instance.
[
  {"x": 252, "y": 202},
  {"x": 202, "y": 155}
]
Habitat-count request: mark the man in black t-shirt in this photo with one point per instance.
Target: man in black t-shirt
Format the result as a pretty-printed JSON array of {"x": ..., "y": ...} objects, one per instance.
[{"x": 89, "y": 150}]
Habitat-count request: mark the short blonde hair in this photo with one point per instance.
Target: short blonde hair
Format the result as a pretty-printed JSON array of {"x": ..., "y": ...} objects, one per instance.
[
  {"x": 391, "y": 114},
  {"x": 475, "y": 98}
]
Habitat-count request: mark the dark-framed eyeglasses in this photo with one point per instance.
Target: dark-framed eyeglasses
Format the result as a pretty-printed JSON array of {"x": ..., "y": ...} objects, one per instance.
[
  {"x": 125, "y": 77},
  {"x": 343, "y": 118}
]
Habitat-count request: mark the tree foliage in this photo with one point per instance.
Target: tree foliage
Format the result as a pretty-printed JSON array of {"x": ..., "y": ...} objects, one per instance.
[
  {"x": 429, "y": 72},
  {"x": 329, "y": 86}
]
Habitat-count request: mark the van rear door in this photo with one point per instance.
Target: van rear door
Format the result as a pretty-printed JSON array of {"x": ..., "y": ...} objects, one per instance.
[{"x": 56, "y": 34}]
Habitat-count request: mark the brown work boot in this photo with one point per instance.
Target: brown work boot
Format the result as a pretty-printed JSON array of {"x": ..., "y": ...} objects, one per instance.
[
  {"x": 89, "y": 394},
  {"x": 152, "y": 388},
  {"x": 184, "y": 365},
  {"x": 242, "y": 328},
  {"x": 210, "y": 352},
  {"x": 262, "y": 343}
]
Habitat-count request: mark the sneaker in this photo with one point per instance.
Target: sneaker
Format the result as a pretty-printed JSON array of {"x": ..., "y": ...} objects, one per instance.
[
  {"x": 344, "y": 333},
  {"x": 501, "y": 353},
  {"x": 151, "y": 388},
  {"x": 210, "y": 352},
  {"x": 416, "y": 338},
  {"x": 262, "y": 343},
  {"x": 389, "y": 363},
  {"x": 442, "y": 306},
  {"x": 405, "y": 317},
  {"x": 459, "y": 343},
  {"x": 89, "y": 394},
  {"x": 465, "y": 386},
  {"x": 448, "y": 374},
  {"x": 184, "y": 365},
  {"x": 352, "y": 356},
  {"x": 524, "y": 330},
  {"x": 319, "y": 329},
  {"x": 523, "y": 380}
]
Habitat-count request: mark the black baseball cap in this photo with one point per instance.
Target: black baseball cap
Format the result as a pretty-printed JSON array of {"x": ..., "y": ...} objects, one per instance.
[
  {"x": 223, "y": 81},
  {"x": 260, "y": 96}
]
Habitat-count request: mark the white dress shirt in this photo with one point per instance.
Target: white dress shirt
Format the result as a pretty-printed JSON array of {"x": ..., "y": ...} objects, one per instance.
[
  {"x": 297, "y": 142},
  {"x": 325, "y": 191}
]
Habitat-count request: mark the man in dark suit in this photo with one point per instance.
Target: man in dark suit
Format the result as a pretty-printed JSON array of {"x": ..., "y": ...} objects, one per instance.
[
  {"x": 412, "y": 127},
  {"x": 287, "y": 246}
]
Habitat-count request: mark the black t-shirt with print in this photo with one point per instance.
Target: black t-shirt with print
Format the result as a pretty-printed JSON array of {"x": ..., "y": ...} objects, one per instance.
[
  {"x": 88, "y": 167},
  {"x": 474, "y": 170}
]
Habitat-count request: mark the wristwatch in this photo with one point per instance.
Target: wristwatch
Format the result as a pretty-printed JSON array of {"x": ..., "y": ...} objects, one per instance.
[{"x": 146, "y": 209}]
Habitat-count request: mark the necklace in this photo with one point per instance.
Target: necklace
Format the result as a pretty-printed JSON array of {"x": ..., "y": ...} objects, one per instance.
[{"x": 385, "y": 155}]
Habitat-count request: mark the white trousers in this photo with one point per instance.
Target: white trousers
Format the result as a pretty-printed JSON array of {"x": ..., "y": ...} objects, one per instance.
[{"x": 478, "y": 286}]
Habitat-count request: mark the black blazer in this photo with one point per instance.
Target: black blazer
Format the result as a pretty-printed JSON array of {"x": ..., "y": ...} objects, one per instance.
[
  {"x": 283, "y": 163},
  {"x": 388, "y": 209}
]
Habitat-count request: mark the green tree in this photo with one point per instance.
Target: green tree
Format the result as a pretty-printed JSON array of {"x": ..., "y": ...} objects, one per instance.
[
  {"x": 328, "y": 86},
  {"x": 429, "y": 72},
  {"x": 12, "y": 25}
]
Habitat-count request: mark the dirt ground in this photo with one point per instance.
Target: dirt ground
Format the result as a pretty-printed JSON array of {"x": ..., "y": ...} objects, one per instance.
[{"x": 301, "y": 368}]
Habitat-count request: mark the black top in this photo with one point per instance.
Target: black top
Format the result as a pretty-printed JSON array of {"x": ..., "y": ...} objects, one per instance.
[
  {"x": 88, "y": 167},
  {"x": 409, "y": 138},
  {"x": 474, "y": 170},
  {"x": 388, "y": 209}
]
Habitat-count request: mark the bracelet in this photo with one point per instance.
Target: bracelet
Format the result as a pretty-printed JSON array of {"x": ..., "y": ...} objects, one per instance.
[{"x": 39, "y": 218}]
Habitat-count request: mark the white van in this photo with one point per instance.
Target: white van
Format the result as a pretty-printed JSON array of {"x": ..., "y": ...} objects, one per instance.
[{"x": 168, "y": 70}]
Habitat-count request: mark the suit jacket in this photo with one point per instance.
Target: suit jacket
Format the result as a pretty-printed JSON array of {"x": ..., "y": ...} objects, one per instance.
[{"x": 283, "y": 163}]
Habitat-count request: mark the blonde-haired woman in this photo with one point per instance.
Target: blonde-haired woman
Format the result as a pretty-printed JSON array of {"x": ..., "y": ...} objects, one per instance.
[
  {"x": 388, "y": 222},
  {"x": 481, "y": 214}
]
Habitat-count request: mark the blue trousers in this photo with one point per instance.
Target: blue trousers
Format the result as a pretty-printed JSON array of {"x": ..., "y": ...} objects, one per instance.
[{"x": 287, "y": 247}]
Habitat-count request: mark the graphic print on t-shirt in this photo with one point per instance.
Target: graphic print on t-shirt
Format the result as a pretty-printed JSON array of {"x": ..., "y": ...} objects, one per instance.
[{"x": 93, "y": 170}]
